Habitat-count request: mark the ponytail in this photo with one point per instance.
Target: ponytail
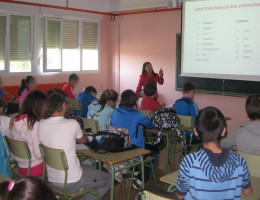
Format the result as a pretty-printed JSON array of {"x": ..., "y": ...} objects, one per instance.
[
  {"x": 24, "y": 84},
  {"x": 106, "y": 96}
]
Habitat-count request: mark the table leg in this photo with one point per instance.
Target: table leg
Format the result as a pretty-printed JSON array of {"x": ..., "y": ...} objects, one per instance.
[
  {"x": 167, "y": 153},
  {"x": 112, "y": 182},
  {"x": 142, "y": 168}
]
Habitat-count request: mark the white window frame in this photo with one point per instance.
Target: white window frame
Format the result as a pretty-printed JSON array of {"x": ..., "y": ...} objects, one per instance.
[
  {"x": 80, "y": 21},
  {"x": 5, "y": 47},
  {"x": 6, "y": 71}
]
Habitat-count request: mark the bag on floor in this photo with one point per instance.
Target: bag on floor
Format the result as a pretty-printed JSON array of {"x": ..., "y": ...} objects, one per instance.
[
  {"x": 112, "y": 139},
  {"x": 11, "y": 107}
]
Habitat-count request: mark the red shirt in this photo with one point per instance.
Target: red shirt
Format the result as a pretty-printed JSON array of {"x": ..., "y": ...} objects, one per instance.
[
  {"x": 68, "y": 89},
  {"x": 144, "y": 79},
  {"x": 149, "y": 103}
]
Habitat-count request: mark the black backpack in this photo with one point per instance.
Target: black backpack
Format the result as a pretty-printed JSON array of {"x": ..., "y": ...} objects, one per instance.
[{"x": 10, "y": 107}]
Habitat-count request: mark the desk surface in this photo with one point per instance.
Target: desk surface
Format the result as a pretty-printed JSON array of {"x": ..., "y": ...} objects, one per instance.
[
  {"x": 171, "y": 178},
  {"x": 227, "y": 118},
  {"x": 4, "y": 178},
  {"x": 113, "y": 158}
]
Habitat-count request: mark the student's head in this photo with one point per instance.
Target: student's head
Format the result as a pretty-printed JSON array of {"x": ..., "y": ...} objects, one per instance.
[
  {"x": 128, "y": 99},
  {"x": 1, "y": 106},
  {"x": 188, "y": 89},
  {"x": 28, "y": 82},
  {"x": 210, "y": 125},
  {"x": 91, "y": 90},
  {"x": 108, "y": 97},
  {"x": 25, "y": 189},
  {"x": 253, "y": 107},
  {"x": 148, "y": 68},
  {"x": 73, "y": 79},
  {"x": 34, "y": 106},
  {"x": 56, "y": 102},
  {"x": 150, "y": 90}
]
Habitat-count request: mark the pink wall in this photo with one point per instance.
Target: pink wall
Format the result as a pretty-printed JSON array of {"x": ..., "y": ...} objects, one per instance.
[
  {"x": 151, "y": 37},
  {"x": 96, "y": 79}
]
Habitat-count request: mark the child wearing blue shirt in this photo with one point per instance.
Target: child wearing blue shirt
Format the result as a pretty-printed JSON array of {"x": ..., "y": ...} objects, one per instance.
[
  {"x": 212, "y": 173},
  {"x": 86, "y": 97},
  {"x": 102, "y": 109}
]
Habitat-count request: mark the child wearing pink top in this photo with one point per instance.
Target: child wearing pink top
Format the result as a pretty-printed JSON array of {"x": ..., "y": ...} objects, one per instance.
[
  {"x": 25, "y": 128},
  {"x": 28, "y": 84}
]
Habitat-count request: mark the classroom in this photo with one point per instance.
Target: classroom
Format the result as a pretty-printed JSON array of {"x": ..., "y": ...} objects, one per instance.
[{"x": 129, "y": 99}]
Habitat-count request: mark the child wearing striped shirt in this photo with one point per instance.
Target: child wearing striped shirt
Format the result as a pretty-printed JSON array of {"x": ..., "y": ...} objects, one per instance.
[{"x": 212, "y": 173}]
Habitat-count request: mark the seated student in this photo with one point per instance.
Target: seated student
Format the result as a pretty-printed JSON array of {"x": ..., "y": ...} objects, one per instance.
[
  {"x": 4, "y": 93},
  {"x": 69, "y": 111},
  {"x": 4, "y": 122},
  {"x": 28, "y": 85},
  {"x": 127, "y": 117},
  {"x": 247, "y": 138},
  {"x": 188, "y": 107},
  {"x": 148, "y": 102},
  {"x": 69, "y": 86},
  {"x": 60, "y": 133},
  {"x": 212, "y": 172},
  {"x": 103, "y": 108},
  {"x": 28, "y": 188},
  {"x": 25, "y": 127},
  {"x": 86, "y": 98}
]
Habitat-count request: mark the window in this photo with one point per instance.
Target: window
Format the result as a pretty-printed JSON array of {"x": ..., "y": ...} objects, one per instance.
[
  {"x": 20, "y": 44},
  {"x": 2, "y": 42},
  {"x": 89, "y": 46},
  {"x": 70, "y": 45}
]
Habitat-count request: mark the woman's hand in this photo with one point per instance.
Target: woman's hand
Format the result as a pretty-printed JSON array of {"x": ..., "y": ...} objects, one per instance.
[{"x": 161, "y": 73}]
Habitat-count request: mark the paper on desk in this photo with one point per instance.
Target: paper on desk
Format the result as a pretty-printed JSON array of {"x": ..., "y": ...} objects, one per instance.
[{"x": 81, "y": 147}]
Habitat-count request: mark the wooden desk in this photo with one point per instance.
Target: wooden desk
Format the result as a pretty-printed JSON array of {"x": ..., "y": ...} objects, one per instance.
[
  {"x": 170, "y": 179},
  {"x": 168, "y": 134},
  {"x": 227, "y": 118},
  {"x": 114, "y": 158},
  {"x": 4, "y": 178}
]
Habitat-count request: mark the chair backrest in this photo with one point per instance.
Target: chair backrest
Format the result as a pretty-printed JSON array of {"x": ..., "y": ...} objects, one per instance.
[
  {"x": 91, "y": 123},
  {"x": 253, "y": 163},
  {"x": 147, "y": 113},
  {"x": 186, "y": 121},
  {"x": 55, "y": 158},
  {"x": 76, "y": 104},
  {"x": 18, "y": 148}
]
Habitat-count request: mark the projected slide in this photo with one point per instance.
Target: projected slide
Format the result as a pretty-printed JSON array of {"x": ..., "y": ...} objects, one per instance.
[{"x": 221, "y": 39}]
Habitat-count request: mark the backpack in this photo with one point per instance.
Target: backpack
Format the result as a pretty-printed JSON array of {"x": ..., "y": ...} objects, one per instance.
[
  {"x": 165, "y": 118},
  {"x": 11, "y": 107},
  {"x": 112, "y": 139}
]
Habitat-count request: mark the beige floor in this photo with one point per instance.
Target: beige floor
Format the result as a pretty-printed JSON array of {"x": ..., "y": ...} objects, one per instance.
[{"x": 122, "y": 189}]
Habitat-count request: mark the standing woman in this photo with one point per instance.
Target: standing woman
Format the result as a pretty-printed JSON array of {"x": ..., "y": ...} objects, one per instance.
[
  {"x": 149, "y": 76},
  {"x": 28, "y": 84}
]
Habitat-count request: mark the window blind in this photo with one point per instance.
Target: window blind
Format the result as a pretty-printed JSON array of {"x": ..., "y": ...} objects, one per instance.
[
  {"x": 2, "y": 41},
  {"x": 20, "y": 38},
  {"x": 53, "y": 34},
  {"x": 70, "y": 34},
  {"x": 90, "y": 35}
]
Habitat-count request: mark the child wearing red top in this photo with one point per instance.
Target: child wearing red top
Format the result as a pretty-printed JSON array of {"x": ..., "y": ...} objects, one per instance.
[
  {"x": 148, "y": 102},
  {"x": 68, "y": 87},
  {"x": 149, "y": 76}
]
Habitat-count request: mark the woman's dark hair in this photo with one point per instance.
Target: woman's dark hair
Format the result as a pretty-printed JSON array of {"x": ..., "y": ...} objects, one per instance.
[
  {"x": 90, "y": 89},
  {"x": 55, "y": 99},
  {"x": 144, "y": 69},
  {"x": 29, "y": 188},
  {"x": 128, "y": 99},
  {"x": 253, "y": 106},
  {"x": 150, "y": 89},
  {"x": 24, "y": 84},
  {"x": 187, "y": 87},
  {"x": 32, "y": 106},
  {"x": 106, "y": 96},
  {"x": 1, "y": 102},
  {"x": 210, "y": 124}
]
